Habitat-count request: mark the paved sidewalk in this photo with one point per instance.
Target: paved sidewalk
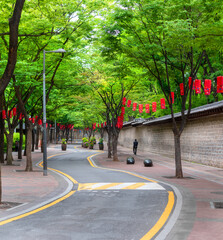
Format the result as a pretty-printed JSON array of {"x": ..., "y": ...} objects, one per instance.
[
  {"x": 24, "y": 191},
  {"x": 201, "y": 186}
]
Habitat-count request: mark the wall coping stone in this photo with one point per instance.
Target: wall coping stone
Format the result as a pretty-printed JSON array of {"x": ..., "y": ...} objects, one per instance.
[{"x": 205, "y": 110}]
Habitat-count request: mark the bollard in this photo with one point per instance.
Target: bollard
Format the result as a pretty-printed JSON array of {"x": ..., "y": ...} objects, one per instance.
[
  {"x": 130, "y": 160},
  {"x": 148, "y": 163}
]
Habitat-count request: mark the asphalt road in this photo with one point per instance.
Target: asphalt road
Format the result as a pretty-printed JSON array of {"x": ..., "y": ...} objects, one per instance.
[{"x": 107, "y": 205}]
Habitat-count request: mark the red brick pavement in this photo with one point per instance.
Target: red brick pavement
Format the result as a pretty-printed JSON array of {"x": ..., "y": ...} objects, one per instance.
[{"x": 25, "y": 187}]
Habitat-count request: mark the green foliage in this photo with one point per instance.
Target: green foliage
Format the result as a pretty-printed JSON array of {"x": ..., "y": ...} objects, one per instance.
[
  {"x": 64, "y": 141},
  {"x": 92, "y": 142},
  {"x": 84, "y": 140},
  {"x": 128, "y": 46},
  {"x": 16, "y": 137}
]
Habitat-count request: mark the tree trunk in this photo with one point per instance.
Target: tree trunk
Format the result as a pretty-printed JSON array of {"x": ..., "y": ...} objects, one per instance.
[
  {"x": 37, "y": 138},
  {"x": 33, "y": 140},
  {"x": 179, "y": 171},
  {"x": 114, "y": 147},
  {"x": 57, "y": 135},
  {"x": 109, "y": 145},
  {"x": 13, "y": 45},
  {"x": 1, "y": 143},
  {"x": 9, "y": 157},
  {"x": 29, "y": 166},
  {"x": 1, "y": 133},
  {"x": 0, "y": 184},
  {"x": 20, "y": 139},
  {"x": 24, "y": 154}
]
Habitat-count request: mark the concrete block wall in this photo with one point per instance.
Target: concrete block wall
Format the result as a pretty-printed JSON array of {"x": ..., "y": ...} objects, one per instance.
[{"x": 201, "y": 140}]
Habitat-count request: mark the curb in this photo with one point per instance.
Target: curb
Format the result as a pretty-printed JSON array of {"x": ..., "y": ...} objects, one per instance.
[
  {"x": 42, "y": 204},
  {"x": 172, "y": 219}
]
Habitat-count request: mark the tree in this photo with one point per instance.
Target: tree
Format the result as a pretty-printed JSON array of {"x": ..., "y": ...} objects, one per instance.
[
  {"x": 13, "y": 45},
  {"x": 12, "y": 55},
  {"x": 164, "y": 38},
  {"x": 111, "y": 83}
]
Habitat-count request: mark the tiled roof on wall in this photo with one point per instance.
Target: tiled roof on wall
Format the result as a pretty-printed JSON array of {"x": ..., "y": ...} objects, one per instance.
[{"x": 205, "y": 110}]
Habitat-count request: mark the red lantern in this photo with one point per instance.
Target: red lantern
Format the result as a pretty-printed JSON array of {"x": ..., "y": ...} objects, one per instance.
[
  {"x": 207, "y": 86},
  {"x": 102, "y": 125},
  {"x": 3, "y": 114},
  {"x": 105, "y": 124},
  {"x": 172, "y": 96},
  {"x": 10, "y": 114},
  {"x": 98, "y": 125},
  {"x": 140, "y": 108},
  {"x": 20, "y": 116},
  {"x": 181, "y": 89},
  {"x": 123, "y": 110},
  {"x": 14, "y": 111},
  {"x": 124, "y": 101},
  {"x": 147, "y": 108},
  {"x": 197, "y": 86},
  {"x": 129, "y": 103},
  {"x": 119, "y": 122},
  {"x": 220, "y": 84},
  {"x": 154, "y": 106},
  {"x": 46, "y": 125},
  {"x": 134, "y": 106},
  {"x": 162, "y": 103},
  {"x": 190, "y": 81},
  {"x": 41, "y": 123},
  {"x": 33, "y": 120}
]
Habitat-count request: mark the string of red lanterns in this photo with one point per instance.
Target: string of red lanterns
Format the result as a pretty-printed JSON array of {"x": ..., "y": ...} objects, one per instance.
[{"x": 196, "y": 86}]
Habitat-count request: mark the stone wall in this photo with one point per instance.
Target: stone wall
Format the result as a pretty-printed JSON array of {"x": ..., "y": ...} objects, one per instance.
[{"x": 201, "y": 140}]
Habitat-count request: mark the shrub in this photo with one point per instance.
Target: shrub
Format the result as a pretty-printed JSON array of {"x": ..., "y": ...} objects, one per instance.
[
  {"x": 16, "y": 137},
  {"x": 84, "y": 140}
]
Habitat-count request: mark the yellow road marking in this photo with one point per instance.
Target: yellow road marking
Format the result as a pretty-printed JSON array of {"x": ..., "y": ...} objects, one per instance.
[
  {"x": 165, "y": 215},
  {"x": 107, "y": 186},
  {"x": 154, "y": 230},
  {"x": 47, "y": 205},
  {"x": 117, "y": 170},
  {"x": 66, "y": 175},
  {"x": 134, "y": 186},
  {"x": 85, "y": 186},
  {"x": 38, "y": 209}
]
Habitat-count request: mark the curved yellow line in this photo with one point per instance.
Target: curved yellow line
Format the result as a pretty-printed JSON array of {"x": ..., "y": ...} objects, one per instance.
[
  {"x": 37, "y": 210},
  {"x": 154, "y": 230},
  {"x": 117, "y": 170},
  {"x": 66, "y": 175},
  {"x": 47, "y": 205},
  {"x": 165, "y": 215}
]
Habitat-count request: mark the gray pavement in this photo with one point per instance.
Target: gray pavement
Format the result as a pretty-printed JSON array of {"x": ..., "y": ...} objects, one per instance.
[
  {"x": 118, "y": 207},
  {"x": 200, "y": 188},
  {"x": 196, "y": 217}
]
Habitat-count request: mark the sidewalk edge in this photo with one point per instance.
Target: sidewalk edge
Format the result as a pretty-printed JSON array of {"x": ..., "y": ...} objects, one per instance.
[{"x": 68, "y": 190}]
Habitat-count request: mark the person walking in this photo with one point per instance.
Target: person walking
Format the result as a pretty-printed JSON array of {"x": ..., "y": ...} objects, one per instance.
[{"x": 135, "y": 145}]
